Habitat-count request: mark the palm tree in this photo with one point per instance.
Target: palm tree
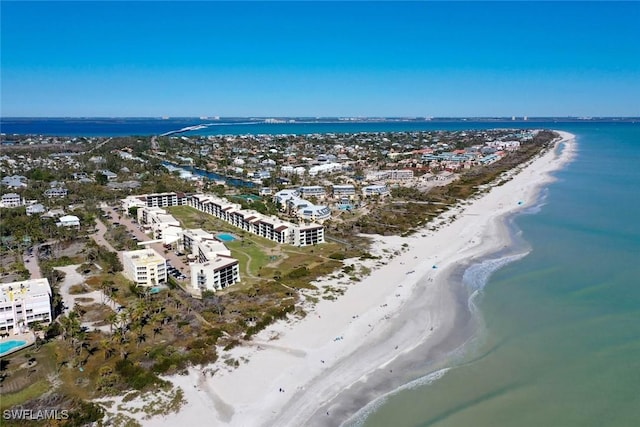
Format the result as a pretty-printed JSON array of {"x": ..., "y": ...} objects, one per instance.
[
  {"x": 142, "y": 337},
  {"x": 107, "y": 347},
  {"x": 112, "y": 319}
]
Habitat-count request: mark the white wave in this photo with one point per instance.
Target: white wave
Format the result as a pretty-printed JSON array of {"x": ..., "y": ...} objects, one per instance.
[
  {"x": 358, "y": 419},
  {"x": 477, "y": 275}
]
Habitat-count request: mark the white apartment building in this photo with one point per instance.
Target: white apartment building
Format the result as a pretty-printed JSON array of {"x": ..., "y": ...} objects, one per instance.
[
  {"x": 22, "y": 303},
  {"x": 312, "y": 191},
  {"x": 347, "y": 190},
  {"x": 288, "y": 200},
  {"x": 214, "y": 269},
  {"x": 145, "y": 267},
  {"x": 11, "y": 200},
  {"x": 390, "y": 175},
  {"x": 162, "y": 225},
  {"x": 202, "y": 244},
  {"x": 215, "y": 274},
  {"x": 160, "y": 200},
  {"x": 375, "y": 190},
  {"x": 271, "y": 228},
  {"x": 308, "y": 235}
]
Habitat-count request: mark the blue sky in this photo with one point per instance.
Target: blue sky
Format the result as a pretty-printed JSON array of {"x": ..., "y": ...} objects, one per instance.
[{"x": 320, "y": 59}]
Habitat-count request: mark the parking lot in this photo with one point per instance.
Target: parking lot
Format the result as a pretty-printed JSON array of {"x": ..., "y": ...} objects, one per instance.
[{"x": 179, "y": 265}]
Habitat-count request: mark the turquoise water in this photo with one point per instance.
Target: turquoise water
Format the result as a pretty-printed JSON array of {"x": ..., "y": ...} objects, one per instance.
[
  {"x": 155, "y": 290},
  {"x": 226, "y": 237},
  {"x": 560, "y": 343},
  {"x": 7, "y": 346}
]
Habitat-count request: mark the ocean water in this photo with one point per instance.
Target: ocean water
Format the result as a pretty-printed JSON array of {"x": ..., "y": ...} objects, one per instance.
[
  {"x": 103, "y": 126},
  {"x": 559, "y": 342},
  {"x": 560, "y": 337}
]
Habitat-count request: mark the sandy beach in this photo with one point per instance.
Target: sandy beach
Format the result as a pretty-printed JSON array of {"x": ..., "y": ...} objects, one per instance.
[{"x": 347, "y": 352}]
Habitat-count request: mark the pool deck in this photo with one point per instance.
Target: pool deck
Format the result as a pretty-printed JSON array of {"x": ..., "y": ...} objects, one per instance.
[{"x": 28, "y": 337}]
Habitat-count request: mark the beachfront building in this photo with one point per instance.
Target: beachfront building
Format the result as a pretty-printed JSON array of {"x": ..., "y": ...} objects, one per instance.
[
  {"x": 308, "y": 235},
  {"x": 145, "y": 267},
  {"x": 390, "y": 175},
  {"x": 202, "y": 245},
  {"x": 214, "y": 268},
  {"x": 11, "y": 200},
  {"x": 22, "y": 303},
  {"x": 215, "y": 274},
  {"x": 269, "y": 227},
  {"x": 375, "y": 191}
]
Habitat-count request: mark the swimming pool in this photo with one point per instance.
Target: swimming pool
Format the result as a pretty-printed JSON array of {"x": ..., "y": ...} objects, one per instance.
[
  {"x": 7, "y": 346},
  {"x": 226, "y": 237}
]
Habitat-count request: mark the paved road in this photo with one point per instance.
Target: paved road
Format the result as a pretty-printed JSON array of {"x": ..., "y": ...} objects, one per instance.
[
  {"x": 98, "y": 236},
  {"x": 177, "y": 261},
  {"x": 31, "y": 262}
]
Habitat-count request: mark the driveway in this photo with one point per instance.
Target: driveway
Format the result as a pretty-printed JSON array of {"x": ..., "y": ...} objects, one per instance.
[
  {"x": 127, "y": 222},
  {"x": 31, "y": 262}
]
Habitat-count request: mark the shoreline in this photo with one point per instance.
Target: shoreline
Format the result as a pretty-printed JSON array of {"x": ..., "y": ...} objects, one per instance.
[{"x": 342, "y": 356}]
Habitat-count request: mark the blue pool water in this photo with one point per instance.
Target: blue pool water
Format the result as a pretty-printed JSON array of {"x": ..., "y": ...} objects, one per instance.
[
  {"x": 226, "y": 237},
  {"x": 155, "y": 290},
  {"x": 7, "y": 346}
]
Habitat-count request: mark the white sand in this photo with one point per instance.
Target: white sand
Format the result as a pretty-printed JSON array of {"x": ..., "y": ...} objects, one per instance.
[{"x": 342, "y": 343}]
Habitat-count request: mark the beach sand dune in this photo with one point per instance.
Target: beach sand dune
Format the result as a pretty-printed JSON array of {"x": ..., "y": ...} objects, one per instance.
[{"x": 323, "y": 368}]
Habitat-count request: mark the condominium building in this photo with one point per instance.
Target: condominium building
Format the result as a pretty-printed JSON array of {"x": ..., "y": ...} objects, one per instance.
[
  {"x": 215, "y": 274},
  {"x": 215, "y": 269},
  {"x": 347, "y": 190},
  {"x": 271, "y": 228},
  {"x": 160, "y": 200},
  {"x": 202, "y": 245},
  {"x": 390, "y": 175},
  {"x": 289, "y": 201},
  {"x": 145, "y": 267},
  {"x": 312, "y": 191},
  {"x": 22, "y": 303},
  {"x": 162, "y": 225},
  {"x": 375, "y": 190}
]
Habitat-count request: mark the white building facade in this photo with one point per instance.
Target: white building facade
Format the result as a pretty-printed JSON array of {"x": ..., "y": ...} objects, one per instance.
[
  {"x": 22, "y": 303},
  {"x": 145, "y": 267}
]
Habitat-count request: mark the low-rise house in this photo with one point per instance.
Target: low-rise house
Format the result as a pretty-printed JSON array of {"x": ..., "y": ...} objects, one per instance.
[
  {"x": 56, "y": 192},
  {"x": 265, "y": 191},
  {"x": 111, "y": 176},
  {"x": 15, "y": 181},
  {"x": 36, "y": 208},
  {"x": 68, "y": 221}
]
